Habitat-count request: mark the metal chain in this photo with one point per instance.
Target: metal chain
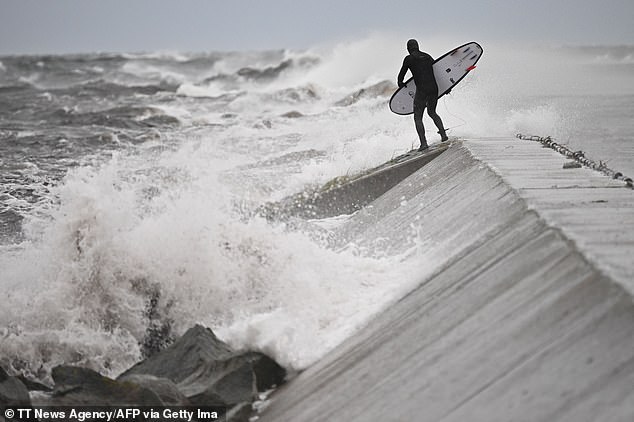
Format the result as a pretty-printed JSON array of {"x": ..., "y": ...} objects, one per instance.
[{"x": 579, "y": 157}]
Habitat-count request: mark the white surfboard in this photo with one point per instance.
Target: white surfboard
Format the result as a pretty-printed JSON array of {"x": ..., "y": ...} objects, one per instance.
[{"x": 449, "y": 69}]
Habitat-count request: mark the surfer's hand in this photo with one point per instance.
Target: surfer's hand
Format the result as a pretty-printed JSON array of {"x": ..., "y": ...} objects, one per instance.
[{"x": 401, "y": 84}]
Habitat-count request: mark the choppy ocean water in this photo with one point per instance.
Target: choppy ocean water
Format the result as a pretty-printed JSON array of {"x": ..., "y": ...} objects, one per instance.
[{"x": 129, "y": 185}]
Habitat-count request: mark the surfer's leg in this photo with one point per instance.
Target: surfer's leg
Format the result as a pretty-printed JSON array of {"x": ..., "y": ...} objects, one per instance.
[
  {"x": 419, "y": 109},
  {"x": 432, "y": 101}
]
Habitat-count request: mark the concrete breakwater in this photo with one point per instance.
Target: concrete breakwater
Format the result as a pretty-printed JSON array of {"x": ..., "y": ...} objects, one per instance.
[{"x": 527, "y": 316}]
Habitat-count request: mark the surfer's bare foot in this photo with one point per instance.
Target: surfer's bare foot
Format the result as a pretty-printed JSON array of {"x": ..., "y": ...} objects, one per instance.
[{"x": 423, "y": 147}]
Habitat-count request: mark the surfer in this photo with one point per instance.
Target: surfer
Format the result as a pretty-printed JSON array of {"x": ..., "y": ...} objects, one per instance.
[{"x": 420, "y": 64}]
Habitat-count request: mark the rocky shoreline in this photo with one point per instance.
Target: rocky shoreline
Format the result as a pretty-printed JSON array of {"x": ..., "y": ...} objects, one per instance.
[{"x": 196, "y": 371}]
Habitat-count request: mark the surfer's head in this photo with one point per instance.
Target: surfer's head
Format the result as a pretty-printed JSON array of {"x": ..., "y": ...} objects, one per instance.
[{"x": 412, "y": 45}]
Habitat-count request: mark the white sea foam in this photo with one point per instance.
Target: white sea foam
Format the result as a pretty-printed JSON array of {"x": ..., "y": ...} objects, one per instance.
[
  {"x": 161, "y": 55},
  {"x": 209, "y": 90},
  {"x": 79, "y": 292},
  {"x": 145, "y": 71}
]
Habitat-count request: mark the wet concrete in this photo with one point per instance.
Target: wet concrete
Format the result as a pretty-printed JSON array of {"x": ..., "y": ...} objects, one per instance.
[{"x": 346, "y": 195}]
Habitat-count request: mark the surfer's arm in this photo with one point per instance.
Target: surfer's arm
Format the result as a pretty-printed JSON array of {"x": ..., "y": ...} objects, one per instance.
[{"x": 401, "y": 74}]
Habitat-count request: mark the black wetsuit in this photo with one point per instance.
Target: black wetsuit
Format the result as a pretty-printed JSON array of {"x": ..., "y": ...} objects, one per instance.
[{"x": 420, "y": 64}]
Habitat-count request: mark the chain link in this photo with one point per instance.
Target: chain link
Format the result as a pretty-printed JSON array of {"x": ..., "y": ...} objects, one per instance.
[{"x": 578, "y": 156}]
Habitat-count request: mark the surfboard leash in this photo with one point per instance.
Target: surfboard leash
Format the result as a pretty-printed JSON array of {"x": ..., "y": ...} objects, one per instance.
[{"x": 464, "y": 122}]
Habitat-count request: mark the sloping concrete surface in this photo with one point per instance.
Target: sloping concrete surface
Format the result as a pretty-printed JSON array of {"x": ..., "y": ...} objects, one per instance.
[
  {"x": 351, "y": 194},
  {"x": 526, "y": 317}
]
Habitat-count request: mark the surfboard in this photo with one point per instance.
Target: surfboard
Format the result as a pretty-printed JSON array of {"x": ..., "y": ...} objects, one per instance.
[{"x": 449, "y": 69}]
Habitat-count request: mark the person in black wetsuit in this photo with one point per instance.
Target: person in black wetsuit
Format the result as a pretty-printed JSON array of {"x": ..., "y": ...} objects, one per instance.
[{"x": 420, "y": 64}]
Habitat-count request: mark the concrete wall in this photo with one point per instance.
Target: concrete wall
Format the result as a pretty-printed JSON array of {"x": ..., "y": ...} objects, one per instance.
[{"x": 515, "y": 324}]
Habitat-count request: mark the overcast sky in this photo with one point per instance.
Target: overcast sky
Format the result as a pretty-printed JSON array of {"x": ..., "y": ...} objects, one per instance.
[{"x": 69, "y": 26}]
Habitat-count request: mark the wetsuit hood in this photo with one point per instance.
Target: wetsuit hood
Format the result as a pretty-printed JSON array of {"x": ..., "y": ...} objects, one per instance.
[{"x": 412, "y": 45}]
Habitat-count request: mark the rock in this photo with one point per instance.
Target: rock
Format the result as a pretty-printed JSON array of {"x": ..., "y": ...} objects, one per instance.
[
  {"x": 12, "y": 392},
  {"x": 225, "y": 383},
  {"x": 198, "y": 346},
  {"x": 163, "y": 387},
  {"x": 207, "y": 371},
  {"x": 268, "y": 373},
  {"x": 76, "y": 386},
  {"x": 239, "y": 413},
  {"x": 234, "y": 380},
  {"x": 33, "y": 385}
]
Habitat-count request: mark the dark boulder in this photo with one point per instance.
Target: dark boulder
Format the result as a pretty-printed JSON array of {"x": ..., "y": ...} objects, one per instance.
[
  {"x": 207, "y": 371},
  {"x": 239, "y": 413},
  {"x": 198, "y": 346},
  {"x": 76, "y": 386},
  {"x": 33, "y": 385},
  {"x": 12, "y": 392},
  {"x": 167, "y": 391}
]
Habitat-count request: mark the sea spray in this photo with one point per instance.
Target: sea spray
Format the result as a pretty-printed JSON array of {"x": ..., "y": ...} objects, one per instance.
[{"x": 127, "y": 236}]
